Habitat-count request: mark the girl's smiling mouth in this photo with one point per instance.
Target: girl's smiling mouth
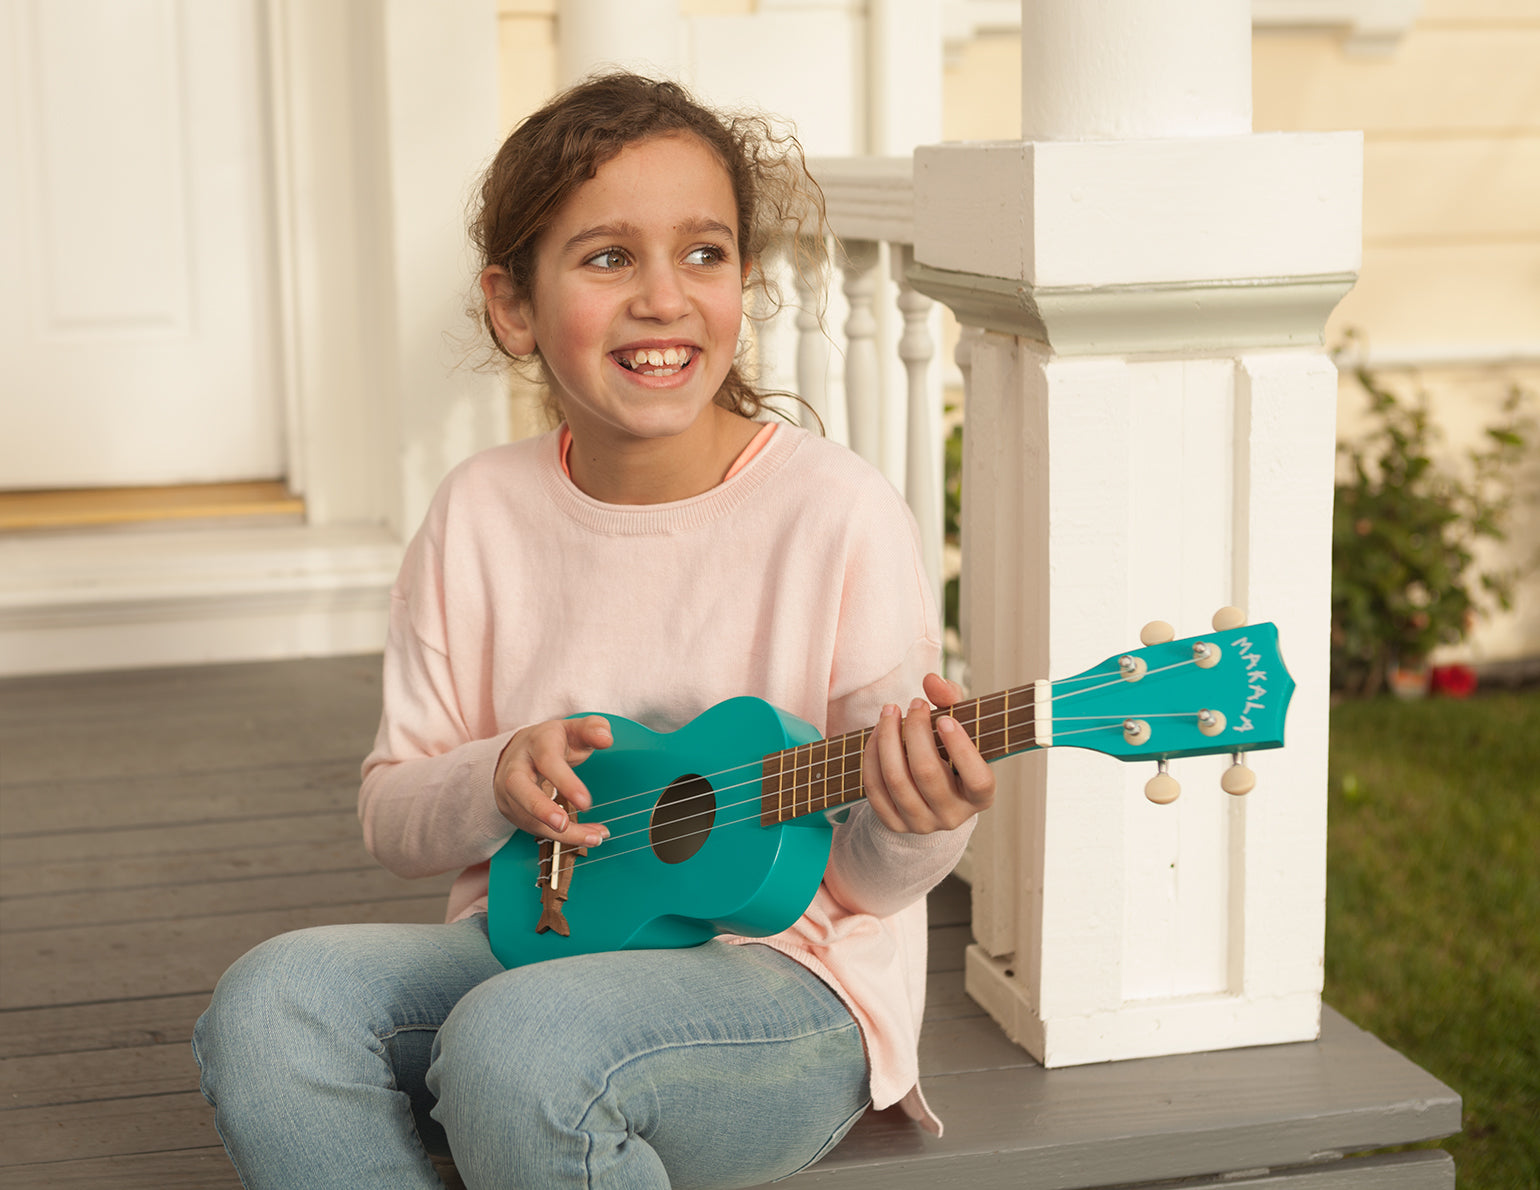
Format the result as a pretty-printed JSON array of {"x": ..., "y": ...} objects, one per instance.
[{"x": 655, "y": 361}]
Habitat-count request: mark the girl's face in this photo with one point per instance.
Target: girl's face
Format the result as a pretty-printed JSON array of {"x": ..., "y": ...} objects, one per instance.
[{"x": 638, "y": 294}]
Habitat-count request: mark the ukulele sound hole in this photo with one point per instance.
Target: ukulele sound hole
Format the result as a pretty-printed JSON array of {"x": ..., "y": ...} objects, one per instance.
[{"x": 682, "y": 819}]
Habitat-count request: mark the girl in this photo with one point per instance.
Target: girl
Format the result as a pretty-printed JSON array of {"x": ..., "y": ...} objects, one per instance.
[{"x": 658, "y": 553}]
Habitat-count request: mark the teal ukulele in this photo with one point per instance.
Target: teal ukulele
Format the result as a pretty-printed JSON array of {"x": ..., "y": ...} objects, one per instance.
[{"x": 719, "y": 827}]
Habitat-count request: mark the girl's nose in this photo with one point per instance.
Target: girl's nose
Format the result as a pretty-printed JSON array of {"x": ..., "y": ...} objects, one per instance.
[{"x": 660, "y": 295}]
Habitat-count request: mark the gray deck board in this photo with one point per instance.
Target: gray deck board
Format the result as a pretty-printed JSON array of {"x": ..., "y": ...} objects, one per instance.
[{"x": 156, "y": 824}]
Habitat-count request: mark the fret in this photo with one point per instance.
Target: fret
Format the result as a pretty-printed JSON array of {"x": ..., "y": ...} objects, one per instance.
[
  {"x": 863, "y": 738},
  {"x": 818, "y": 770},
  {"x": 771, "y": 773},
  {"x": 858, "y": 756},
  {"x": 838, "y": 796},
  {"x": 818, "y": 779},
  {"x": 806, "y": 765},
  {"x": 988, "y": 725},
  {"x": 831, "y": 790}
]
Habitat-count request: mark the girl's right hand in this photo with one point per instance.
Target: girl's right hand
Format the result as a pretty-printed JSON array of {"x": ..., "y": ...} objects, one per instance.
[{"x": 537, "y": 764}]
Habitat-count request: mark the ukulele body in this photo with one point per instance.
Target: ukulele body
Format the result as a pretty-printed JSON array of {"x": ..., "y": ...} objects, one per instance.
[{"x": 687, "y": 858}]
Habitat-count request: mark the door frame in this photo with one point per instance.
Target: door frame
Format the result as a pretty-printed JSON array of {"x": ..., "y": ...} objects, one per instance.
[{"x": 382, "y": 115}]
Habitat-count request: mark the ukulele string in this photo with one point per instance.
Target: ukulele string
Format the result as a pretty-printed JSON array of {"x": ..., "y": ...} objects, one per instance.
[
  {"x": 982, "y": 727},
  {"x": 609, "y": 853}
]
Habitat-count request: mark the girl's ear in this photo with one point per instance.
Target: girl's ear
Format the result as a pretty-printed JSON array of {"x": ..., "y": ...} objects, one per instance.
[{"x": 510, "y": 314}]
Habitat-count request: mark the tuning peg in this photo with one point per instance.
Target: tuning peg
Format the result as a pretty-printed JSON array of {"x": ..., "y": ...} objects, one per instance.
[
  {"x": 1162, "y": 788},
  {"x": 1156, "y": 632},
  {"x": 1238, "y": 779},
  {"x": 1228, "y": 617}
]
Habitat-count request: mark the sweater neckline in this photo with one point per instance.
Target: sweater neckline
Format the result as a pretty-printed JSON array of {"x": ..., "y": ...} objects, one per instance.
[{"x": 638, "y": 520}]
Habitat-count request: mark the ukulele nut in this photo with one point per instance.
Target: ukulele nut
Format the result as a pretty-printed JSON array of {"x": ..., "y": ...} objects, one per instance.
[
  {"x": 1206, "y": 654},
  {"x": 1131, "y": 669},
  {"x": 1136, "y": 731},
  {"x": 1211, "y": 723}
]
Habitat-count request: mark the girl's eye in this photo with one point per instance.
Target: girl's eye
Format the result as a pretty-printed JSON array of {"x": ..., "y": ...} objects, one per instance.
[
  {"x": 610, "y": 258},
  {"x": 706, "y": 254}
]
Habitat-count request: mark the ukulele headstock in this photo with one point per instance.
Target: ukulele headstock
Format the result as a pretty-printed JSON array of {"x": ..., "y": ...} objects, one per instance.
[{"x": 1220, "y": 691}]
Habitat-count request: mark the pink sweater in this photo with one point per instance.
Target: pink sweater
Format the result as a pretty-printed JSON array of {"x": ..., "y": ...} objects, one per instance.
[{"x": 797, "y": 580}]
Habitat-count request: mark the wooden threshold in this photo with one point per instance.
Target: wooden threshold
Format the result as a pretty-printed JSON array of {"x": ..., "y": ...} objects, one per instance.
[{"x": 78, "y": 508}]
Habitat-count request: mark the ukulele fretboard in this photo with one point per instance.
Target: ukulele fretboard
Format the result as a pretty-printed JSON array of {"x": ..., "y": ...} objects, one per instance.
[{"x": 827, "y": 773}]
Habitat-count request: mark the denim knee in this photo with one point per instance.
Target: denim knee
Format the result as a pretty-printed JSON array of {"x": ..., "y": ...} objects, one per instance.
[
  {"x": 524, "y": 1098},
  {"x": 269, "y": 1010},
  {"x": 498, "y": 1047}
]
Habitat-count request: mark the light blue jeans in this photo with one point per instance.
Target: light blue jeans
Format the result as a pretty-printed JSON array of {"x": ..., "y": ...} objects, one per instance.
[{"x": 341, "y": 1056}]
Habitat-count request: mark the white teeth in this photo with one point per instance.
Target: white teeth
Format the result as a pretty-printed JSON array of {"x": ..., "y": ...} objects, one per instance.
[{"x": 653, "y": 357}]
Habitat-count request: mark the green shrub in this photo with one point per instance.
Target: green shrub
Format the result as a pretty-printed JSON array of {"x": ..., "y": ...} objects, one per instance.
[{"x": 1404, "y": 533}]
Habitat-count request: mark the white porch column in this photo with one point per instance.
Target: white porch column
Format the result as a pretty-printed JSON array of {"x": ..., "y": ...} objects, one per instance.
[
  {"x": 1150, "y": 435},
  {"x": 642, "y": 35},
  {"x": 1135, "y": 70}
]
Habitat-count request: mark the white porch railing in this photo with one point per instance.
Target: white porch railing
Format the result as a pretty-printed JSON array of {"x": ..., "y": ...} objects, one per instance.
[{"x": 889, "y": 407}]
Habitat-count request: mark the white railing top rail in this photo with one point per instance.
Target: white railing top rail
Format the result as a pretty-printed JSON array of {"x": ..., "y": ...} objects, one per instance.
[{"x": 868, "y": 198}]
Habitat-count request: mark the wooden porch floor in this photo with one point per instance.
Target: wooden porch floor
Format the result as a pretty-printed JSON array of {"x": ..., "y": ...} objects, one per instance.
[{"x": 154, "y": 825}]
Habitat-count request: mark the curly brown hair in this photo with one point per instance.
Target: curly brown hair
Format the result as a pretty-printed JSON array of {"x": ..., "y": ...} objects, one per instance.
[{"x": 561, "y": 146}]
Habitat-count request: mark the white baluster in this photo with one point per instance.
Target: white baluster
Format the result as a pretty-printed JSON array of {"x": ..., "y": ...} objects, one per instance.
[
  {"x": 922, "y": 464},
  {"x": 863, "y": 369},
  {"x": 962, "y": 355},
  {"x": 813, "y": 359}
]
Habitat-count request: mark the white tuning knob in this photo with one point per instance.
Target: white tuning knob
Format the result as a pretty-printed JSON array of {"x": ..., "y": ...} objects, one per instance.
[
  {"x": 1157, "y": 632},
  {"x": 1162, "y": 788},
  {"x": 1238, "y": 779},
  {"x": 1228, "y": 617},
  {"x": 1211, "y": 723}
]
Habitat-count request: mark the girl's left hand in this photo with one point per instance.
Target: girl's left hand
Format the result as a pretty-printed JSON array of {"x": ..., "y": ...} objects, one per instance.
[{"x": 912, "y": 786}]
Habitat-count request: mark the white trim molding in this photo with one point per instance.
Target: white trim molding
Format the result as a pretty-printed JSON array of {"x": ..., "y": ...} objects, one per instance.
[
  {"x": 88, "y": 601},
  {"x": 1369, "y": 26},
  {"x": 1184, "y": 317}
]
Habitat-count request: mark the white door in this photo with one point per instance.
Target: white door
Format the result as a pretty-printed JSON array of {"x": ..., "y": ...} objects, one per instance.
[{"x": 137, "y": 327}]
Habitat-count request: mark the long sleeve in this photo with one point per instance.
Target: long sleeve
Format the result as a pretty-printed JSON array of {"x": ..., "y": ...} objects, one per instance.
[
  {"x": 887, "y": 599},
  {"x": 426, "y": 802},
  {"x": 876, "y": 871}
]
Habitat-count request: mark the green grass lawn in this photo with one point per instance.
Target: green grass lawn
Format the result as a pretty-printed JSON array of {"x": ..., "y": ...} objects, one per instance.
[{"x": 1433, "y": 907}]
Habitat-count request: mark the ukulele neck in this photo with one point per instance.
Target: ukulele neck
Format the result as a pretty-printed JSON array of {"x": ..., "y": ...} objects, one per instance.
[{"x": 827, "y": 773}]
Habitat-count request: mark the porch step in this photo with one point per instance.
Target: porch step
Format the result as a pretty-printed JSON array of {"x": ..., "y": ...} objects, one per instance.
[
  {"x": 159, "y": 823},
  {"x": 79, "y": 508},
  {"x": 1275, "y": 1117},
  {"x": 119, "y": 597}
]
